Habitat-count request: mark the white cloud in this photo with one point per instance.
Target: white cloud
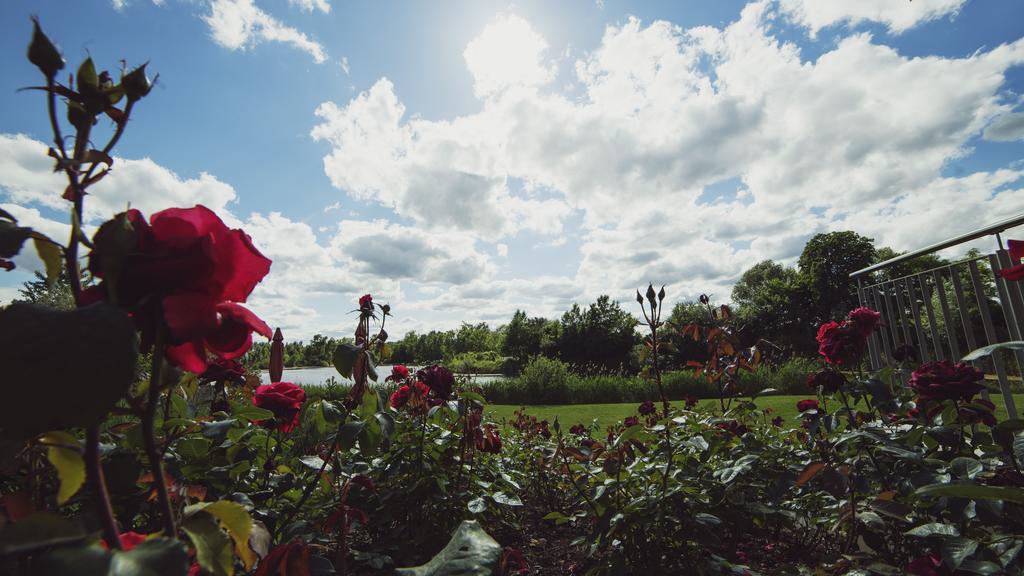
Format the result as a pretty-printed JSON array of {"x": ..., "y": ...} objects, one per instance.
[
  {"x": 502, "y": 249},
  {"x": 508, "y": 53},
  {"x": 861, "y": 135},
  {"x": 240, "y": 24},
  {"x": 26, "y": 176},
  {"x": 344, "y": 65},
  {"x": 120, "y": 5},
  {"x": 332, "y": 207},
  {"x": 1006, "y": 128},
  {"x": 897, "y": 15},
  {"x": 311, "y": 5}
]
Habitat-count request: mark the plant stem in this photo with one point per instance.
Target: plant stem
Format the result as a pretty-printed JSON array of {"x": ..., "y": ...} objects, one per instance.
[
  {"x": 156, "y": 464},
  {"x": 98, "y": 486},
  {"x": 308, "y": 490}
]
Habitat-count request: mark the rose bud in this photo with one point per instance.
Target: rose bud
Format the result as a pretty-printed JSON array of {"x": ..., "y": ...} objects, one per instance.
[
  {"x": 136, "y": 84},
  {"x": 43, "y": 53}
]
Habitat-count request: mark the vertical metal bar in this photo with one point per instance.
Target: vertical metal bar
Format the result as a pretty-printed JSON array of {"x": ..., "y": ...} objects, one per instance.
[
  {"x": 926, "y": 292},
  {"x": 901, "y": 309},
  {"x": 990, "y": 335},
  {"x": 947, "y": 318},
  {"x": 876, "y": 362},
  {"x": 884, "y": 332},
  {"x": 922, "y": 342},
  {"x": 893, "y": 325},
  {"x": 961, "y": 304},
  {"x": 1013, "y": 307}
]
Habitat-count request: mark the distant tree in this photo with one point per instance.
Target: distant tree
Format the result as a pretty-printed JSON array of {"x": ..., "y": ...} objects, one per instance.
[
  {"x": 826, "y": 264},
  {"x": 38, "y": 291},
  {"x": 599, "y": 339}
]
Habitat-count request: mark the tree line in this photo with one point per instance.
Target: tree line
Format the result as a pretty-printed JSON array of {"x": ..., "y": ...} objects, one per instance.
[{"x": 780, "y": 306}]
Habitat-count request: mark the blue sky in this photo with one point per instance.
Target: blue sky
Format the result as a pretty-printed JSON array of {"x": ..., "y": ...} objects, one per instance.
[{"x": 464, "y": 159}]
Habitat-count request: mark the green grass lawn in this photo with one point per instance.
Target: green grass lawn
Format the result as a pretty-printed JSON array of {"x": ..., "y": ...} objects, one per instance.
[{"x": 606, "y": 414}]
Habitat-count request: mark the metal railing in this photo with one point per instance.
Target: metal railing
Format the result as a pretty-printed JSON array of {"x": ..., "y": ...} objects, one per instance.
[{"x": 949, "y": 310}]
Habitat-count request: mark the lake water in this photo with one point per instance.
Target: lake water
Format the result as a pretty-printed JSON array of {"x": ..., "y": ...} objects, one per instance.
[{"x": 317, "y": 376}]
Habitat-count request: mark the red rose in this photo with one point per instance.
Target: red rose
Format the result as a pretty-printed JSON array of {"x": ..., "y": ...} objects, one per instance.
[
  {"x": 399, "y": 373},
  {"x": 946, "y": 381},
  {"x": 631, "y": 421},
  {"x": 865, "y": 319},
  {"x": 733, "y": 426},
  {"x": 805, "y": 405},
  {"x": 284, "y": 399},
  {"x": 190, "y": 266},
  {"x": 220, "y": 370},
  {"x": 129, "y": 540},
  {"x": 828, "y": 380},
  {"x": 840, "y": 344},
  {"x": 366, "y": 302},
  {"x": 647, "y": 407},
  {"x": 400, "y": 397},
  {"x": 1013, "y": 272},
  {"x": 777, "y": 421},
  {"x": 290, "y": 558},
  {"x": 439, "y": 379}
]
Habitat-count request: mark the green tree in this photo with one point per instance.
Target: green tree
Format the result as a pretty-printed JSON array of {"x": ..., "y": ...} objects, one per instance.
[
  {"x": 826, "y": 264},
  {"x": 599, "y": 339},
  {"x": 38, "y": 291}
]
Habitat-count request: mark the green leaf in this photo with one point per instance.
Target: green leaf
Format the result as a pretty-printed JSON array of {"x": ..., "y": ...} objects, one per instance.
[
  {"x": 349, "y": 433},
  {"x": 345, "y": 358},
  {"x": 956, "y": 550},
  {"x": 973, "y": 491},
  {"x": 965, "y": 468},
  {"x": 77, "y": 561},
  {"x": 986, "y": 350},
  {"x": 37, "y": 530},
  {"x": 213, "y": 548},
  {"x": 933, "y": 529},
  {"x": 809, "y": 471},
  {"x": 87, "y": 77},
  {"x": 477, "y": 505},
  {"x": 368, "y": 405},
  {"x": 506, "y": 499},
  {"x": 314, "y": 463},
  {"x": 79, "y": 363},
  {"x": 980, "y": 567},
  {"x": 50, "y": 254},
  {"x": 12, "y": 237},
  {"x": 193, "y": 448},
  {"x": 153, "y": 557},
  {"x": 470, "y": 551},
  {"x": 370, "y": 437},
  {"x": 234, "y": 517},
  {"x": 68, "y": 462},
  {"x": 249, "y": 412},
  {"x": 557, "y": 517}
]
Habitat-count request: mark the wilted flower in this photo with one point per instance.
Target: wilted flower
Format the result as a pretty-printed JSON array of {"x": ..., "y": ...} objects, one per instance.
[
  {"x": 631, "y": 421},
  {"x": 734, "y": 426},
  {"x": 840, "y": 344},
  {"x": 945, "y": 380},
  {"x": 777, "y": 421},
  {"x": 490, "y": 441},
  {"x": 646, "y": 408},
  {"x": 691, "y": 401},
  {"x": 979, "y": 411},
  {"x": 904, "y": 352},
  {"x": 439, "y": 379},
  {"x": 808, "y": 404},
  {"x": 865, "y": 319},
  {"x": 829, "y": 381},
  {"x": 221, "y": 370},
  {"x": 578, "y": 429}
]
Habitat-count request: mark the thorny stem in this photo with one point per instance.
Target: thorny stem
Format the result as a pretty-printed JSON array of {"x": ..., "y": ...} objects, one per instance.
[
  {"x": 572, "y": 479},
  {"x": 308, "y": 491},
  {"x": 98, "y": 486},
  {"x": 149, "y": 437}
]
